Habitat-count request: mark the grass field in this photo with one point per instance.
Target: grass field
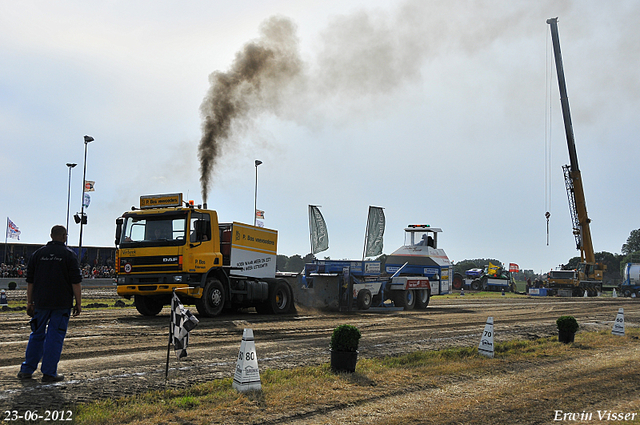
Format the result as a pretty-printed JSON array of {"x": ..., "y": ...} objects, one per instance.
[{"x": 309, "y": 394}]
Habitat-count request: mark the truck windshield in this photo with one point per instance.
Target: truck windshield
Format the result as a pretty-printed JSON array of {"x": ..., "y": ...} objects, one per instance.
[
  {"x": 149, "y": 230},
  {"x": 562, "y": 274}
]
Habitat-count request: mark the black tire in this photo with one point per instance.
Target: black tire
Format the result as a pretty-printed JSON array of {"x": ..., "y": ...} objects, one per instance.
[
  {"x": 422, "y": 298},
  {"x": 483, "y": 283},
  {"x": 364, "y": 299},
  {"x": 212, "y": 302},
  {"x": 475, "y": 285},
  {"x": 458, "y": 281},
  {"x": 280, "y": 299},
  {"x": 147, "y": 306},
  {"x": 405, "y": 299}
]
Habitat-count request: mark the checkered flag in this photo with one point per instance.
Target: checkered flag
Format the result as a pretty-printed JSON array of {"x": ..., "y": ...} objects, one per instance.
[{"x": 182, "y": 322}]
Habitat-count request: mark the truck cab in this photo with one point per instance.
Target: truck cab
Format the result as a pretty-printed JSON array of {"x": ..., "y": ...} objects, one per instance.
[{"x": 168, "y": 246}]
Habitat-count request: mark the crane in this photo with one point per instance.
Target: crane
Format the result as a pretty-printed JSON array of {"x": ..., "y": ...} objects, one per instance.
[{"x": 588, "y": 277}]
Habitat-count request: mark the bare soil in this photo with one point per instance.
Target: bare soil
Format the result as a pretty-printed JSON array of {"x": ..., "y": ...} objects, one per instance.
[{"x": 110, "y": 353}]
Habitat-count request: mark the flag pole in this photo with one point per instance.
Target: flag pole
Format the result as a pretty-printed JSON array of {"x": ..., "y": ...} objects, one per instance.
[
  {"x": 6, "y": 233},
  {"x": 366, "y": 234},
  {"x": 166, "y": 368},
  {"x": 310, "y": 236}
]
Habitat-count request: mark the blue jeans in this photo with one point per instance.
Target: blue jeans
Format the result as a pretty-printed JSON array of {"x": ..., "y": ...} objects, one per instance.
[{"x": 48, "y": 329}]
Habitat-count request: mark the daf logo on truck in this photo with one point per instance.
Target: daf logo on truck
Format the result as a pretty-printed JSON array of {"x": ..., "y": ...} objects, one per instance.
[{"x": 179, "y": 246}]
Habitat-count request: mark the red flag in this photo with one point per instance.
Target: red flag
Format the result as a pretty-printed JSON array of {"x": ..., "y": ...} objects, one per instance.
[{"x": 514, "y": 268}]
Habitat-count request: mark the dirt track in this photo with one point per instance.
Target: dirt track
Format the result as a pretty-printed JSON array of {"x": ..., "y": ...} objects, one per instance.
[{"x": 116, "y": 352}]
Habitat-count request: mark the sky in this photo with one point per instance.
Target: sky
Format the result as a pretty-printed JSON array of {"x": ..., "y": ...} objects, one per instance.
[{"x": 444, "y": 113}]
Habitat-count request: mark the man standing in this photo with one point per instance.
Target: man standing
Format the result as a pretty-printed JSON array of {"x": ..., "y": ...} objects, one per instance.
[{"x": 53, "y": 281}]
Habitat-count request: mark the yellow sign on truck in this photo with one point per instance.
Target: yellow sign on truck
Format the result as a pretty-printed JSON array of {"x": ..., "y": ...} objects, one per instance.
[{"x": 166, "y": 245}]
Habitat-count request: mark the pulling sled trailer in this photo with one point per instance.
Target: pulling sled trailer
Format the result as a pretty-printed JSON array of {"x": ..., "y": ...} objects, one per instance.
[{"x": 412, "y": 274}]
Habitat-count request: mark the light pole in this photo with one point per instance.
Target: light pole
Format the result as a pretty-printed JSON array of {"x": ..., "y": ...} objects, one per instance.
[
  {"x": 83, "y": 220},
  {"x": 70, "y": 165},
  {"x": 255, "y": 196}
]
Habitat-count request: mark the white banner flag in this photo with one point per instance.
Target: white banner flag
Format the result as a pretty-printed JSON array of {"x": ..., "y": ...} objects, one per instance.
[
  {"x": 86, "y": 201},
  {"x": 318, "y": 230},
  {"x": 12, "y": 230},
  {"x": 375, "y": 232}
]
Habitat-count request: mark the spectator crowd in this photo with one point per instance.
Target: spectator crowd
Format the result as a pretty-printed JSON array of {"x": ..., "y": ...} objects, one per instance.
[{"x": 18, "y": 269}]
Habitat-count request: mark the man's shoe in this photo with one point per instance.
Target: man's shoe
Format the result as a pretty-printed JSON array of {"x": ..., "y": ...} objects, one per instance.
[
  {"x": 52, "y": 378},
  {"x": 24, "y": 375}
]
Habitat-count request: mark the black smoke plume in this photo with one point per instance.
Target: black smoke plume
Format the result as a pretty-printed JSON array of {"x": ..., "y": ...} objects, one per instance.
[{"x": 259, "y": 75}]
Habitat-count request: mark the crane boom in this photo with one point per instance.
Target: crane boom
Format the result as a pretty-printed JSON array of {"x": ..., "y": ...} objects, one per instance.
[{"x": 575, "y": 189}]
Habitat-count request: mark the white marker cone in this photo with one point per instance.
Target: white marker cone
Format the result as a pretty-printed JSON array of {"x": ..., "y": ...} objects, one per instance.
[
  {"x": 615, "y": 294},
  {"x": 462, "y": 292},
  {"x": 618, "y": 325},
  {"x": 586, "y": 295},
  {"x": 247, "y": 375},
  {"x": 486, "y": 341},
  {"x": 3, "y": 298}
]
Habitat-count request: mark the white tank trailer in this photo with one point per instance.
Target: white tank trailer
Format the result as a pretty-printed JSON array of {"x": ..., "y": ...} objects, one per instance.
[{"x": 630, "y": 286}]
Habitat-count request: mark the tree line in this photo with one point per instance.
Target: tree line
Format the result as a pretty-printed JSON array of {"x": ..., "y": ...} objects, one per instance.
[{"x": 615, "y": 262}]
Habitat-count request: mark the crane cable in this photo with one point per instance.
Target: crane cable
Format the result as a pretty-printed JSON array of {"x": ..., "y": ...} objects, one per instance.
[{"x": 547, "y": 135}]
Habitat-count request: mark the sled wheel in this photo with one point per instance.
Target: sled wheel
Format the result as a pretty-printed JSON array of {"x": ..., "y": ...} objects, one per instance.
[
  {"x": 406, "y": 299},
  {"x": 422, "y": 298},
  {"x": 364, "y": 299}
]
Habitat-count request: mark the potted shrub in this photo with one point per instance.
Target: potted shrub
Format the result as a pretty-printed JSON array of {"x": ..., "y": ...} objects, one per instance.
[
  {"x": 567, "y": 328},
  {"x": 344, "y": 348}
]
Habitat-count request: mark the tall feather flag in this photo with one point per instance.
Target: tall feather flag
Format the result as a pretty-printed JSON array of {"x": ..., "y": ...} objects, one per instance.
[
  {"x": 375, "y": 232},
  {"x": 317, "y": 230}
]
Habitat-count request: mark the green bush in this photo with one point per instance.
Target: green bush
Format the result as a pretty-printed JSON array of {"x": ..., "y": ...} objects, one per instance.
[
  {"x": 13, "y": 285},
  {"x": 345, "y": 338},
  {"x": 567, "y": 324}
]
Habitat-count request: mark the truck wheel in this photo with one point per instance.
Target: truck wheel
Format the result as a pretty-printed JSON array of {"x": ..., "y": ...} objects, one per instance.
[
  {"x": 422, "y": 298},
  {"x": 457, "y": 281},
  {"x": 147, "y": 306},
  {"x": 364, "y": 299},
  {"x": 280, "y": 299},
  {"x": 475, "y": 285},
  {"x": 406, "y": 299},
  {"x": 212, "y": 301}
]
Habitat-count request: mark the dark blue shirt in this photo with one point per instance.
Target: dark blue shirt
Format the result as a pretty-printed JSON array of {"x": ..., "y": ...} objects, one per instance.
[{"x": 53, "y": 269}]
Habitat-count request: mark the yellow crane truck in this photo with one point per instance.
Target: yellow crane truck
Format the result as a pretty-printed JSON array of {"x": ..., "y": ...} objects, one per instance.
[
  {"x": 167, "y": 244},
  {"x": 588, "y": 276}
]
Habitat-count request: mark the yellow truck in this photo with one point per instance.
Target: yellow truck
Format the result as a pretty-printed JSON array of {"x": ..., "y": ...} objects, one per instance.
[{"x": 167, "y": 244}]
